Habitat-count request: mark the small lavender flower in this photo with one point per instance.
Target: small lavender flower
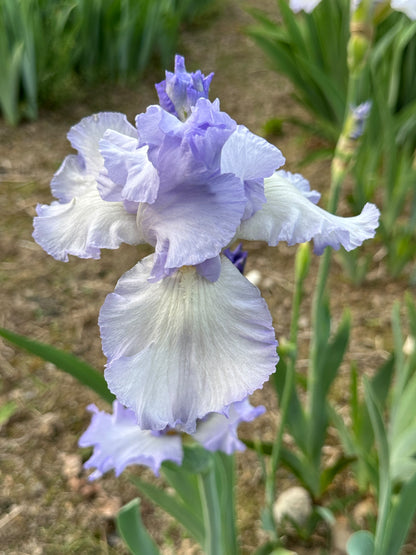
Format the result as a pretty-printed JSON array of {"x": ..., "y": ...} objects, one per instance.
[
  {"x": 359, "y": 116},
  {"x": 238, "y": 257},
  {"x": 119, "y": 442}
]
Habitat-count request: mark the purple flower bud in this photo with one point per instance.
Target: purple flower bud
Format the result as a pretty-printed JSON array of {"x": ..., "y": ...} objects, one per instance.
[
  {"x": 359, "y": 114},
  {"x": 181, "y": 89}
]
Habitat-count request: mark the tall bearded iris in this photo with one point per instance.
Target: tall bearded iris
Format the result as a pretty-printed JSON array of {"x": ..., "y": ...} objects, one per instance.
[{"x": 185, "y": 333}]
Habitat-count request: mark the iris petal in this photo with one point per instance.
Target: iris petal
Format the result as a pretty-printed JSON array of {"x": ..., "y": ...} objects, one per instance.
[
  {"x": 118, "y": 442},
  {"x": 250, "y": 158},
  {"x": 289, "y": 216},
  {"x": 127, "y": 174},
  {"x": 218, "y": 432},
  {"x": 192, "y": 224},
  {"x": 85, "y": 136},
  {"x": 183, "y": 347},
  {"x": 84, "y": 226}
]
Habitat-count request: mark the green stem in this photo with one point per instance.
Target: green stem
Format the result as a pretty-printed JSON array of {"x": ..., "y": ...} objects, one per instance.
[
  {"x": 289, "y": 385},
  {"x": 211, "y": 510},
  {"x": 358, "y": 49}
]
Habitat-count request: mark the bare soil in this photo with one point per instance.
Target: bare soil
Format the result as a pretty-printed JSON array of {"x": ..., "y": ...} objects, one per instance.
[{"x": 46, "y": 504}]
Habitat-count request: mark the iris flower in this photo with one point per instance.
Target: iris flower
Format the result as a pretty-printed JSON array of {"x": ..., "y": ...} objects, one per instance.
[
  {"x": 185, "y": 333},
  {"x": 407, "y": 7},
  {"x": 118, "y": 441}
]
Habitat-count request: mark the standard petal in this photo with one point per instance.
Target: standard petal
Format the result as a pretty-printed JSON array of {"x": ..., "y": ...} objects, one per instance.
[
  {"x": 84, "y": 226},
  {"x": 218, "y": 432},
  {"x": 184, "y": 347},
  {"x": 127, "y": 174},
  {"x": 250, "y": 158},
  {"x": 289, "y": 216},
  {"x": 118, "y": 442},
  {"x": 85, "y": 136},
  {"x": 193, "y": 223}
]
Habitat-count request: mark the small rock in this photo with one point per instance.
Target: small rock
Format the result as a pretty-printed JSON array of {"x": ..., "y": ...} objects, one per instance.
[
  {"x": 294, "y": 504},
  {"x": 109, "y": 507},
  {"x": 254, "y": 276},
  {"x": 340, "y": 534},
  {"x": 71, "y": 465},
  {"x": 409, "y": 345},
  {"x": 48, "y": 424},
  {"x": 363, "y": 510}
]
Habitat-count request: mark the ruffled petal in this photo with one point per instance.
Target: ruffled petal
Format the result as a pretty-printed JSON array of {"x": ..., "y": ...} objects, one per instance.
[
  {"x": 302, "y": 184},
  {"x": 118, "y": 442},
  {"x": 84, "y": 226},
  {"x": 250, "y": 158},
  {"x": 128, "y": 174},
  {"x": 289, "y": 216},
  {"x": 191, "y": 224},
  {"x": 184, "y": 347},
  {"x": 71, "y": 180},
  {"x": 85, "y": 136},
  {"x": 218, "y": 432}
]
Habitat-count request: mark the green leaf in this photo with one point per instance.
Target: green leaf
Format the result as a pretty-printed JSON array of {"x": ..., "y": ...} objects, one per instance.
[
  {"x": 133, "y": 532},
  {"x": 185, "y": 484},
  {"x": 400, "y": 519},
  {"x": 67, "y": 362},
  {"x": 196, "y": 459},
  {"x": 325, "y": 369},
  {"x": 328, "y": 474},
  {"x": 295, "y": 419},
  {"x": 173, "y": 506},
  {"x": 361, "y": 543},
  {"x": 385, "y": 485}
]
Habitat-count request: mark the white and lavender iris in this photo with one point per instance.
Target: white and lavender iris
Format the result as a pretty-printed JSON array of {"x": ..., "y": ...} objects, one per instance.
[
  {"x": 407, "y": 7},
  {"x": 119, "y": 442},
  {"x": 184, "y": 332}
]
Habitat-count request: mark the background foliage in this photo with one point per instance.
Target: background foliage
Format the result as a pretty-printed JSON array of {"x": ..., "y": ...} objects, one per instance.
[{"x": 47, "y": 47}]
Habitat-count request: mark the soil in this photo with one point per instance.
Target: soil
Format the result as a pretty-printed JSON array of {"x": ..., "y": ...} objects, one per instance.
[{"x": 46, "y": 504}]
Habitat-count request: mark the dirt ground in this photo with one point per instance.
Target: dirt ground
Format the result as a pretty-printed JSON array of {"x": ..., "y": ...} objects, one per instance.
[{"x": 46, "y": 504}]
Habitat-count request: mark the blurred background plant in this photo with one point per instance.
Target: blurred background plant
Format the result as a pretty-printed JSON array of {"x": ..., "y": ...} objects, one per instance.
[
  {"x": 48, "y": 47},
  {"x": 311, "y": 49}
]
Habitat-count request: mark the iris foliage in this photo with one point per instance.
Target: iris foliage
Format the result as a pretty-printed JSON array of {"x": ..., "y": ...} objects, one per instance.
[{"x": 49, "y": 47}]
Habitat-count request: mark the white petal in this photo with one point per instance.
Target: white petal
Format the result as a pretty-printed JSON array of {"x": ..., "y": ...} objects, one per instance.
[
  {"x": 85, "y": 136},
  {"x": 289, "y": 216},
  {"x": 406, "y": 6},
  {"x": 84, "y": 226},
  {"x": 183, "y": 347},
  {"x": 71, "y": 180}
]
